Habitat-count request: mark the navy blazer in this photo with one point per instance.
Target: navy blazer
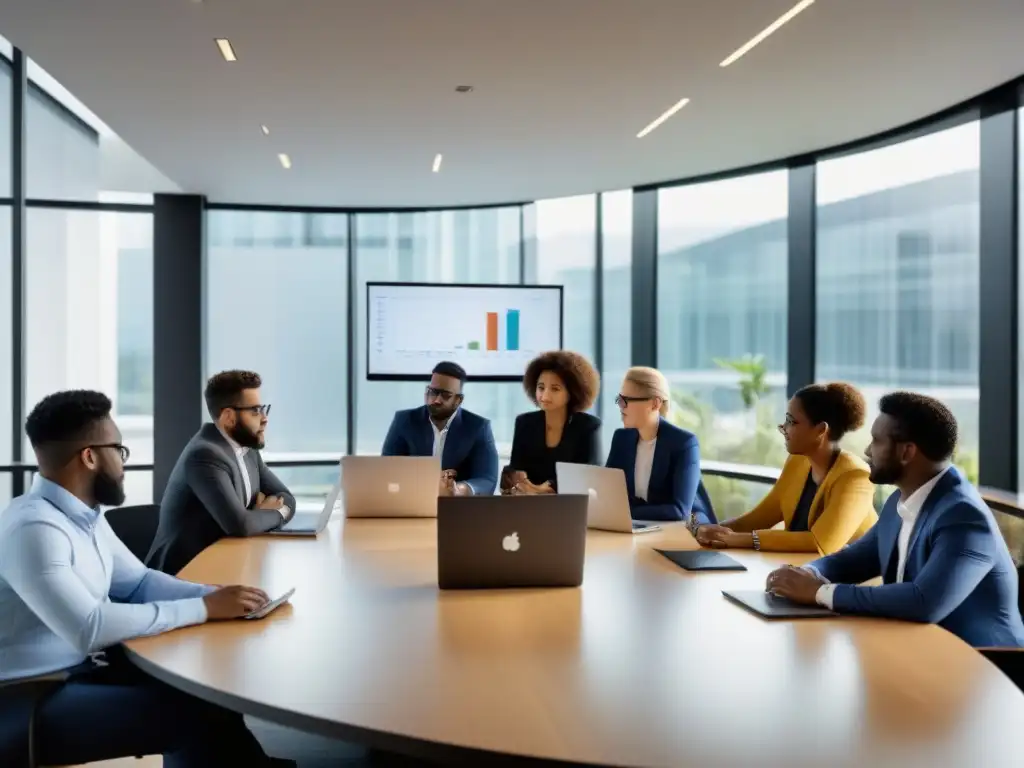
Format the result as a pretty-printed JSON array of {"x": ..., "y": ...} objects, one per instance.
[
  {"x": 675, "y": 488},
  {"x": 958, "y": 573},
  {"x": 468, "y": 448}
]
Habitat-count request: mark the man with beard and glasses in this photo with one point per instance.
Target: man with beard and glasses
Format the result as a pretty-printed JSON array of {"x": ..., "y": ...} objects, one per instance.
[
  {"x": 936, "y": 545},
  {"x": 442, "y": 427},
  {"x": 220, "y": 486},
  {"x": 70, "y": 589}
]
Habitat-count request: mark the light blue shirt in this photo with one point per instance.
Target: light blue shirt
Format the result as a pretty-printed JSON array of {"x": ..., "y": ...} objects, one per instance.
[{"x": 69, "y": 587}]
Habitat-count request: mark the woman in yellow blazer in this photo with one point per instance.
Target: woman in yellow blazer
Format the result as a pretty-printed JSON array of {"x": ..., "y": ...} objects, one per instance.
[{"x": 824, "y": 494}]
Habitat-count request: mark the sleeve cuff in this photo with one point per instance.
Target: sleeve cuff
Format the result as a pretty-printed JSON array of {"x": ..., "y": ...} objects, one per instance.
[
  {"x": 816, "y": 572},
  {"x": 193, "y": 611},
  {"x": 824, "y": 596}
]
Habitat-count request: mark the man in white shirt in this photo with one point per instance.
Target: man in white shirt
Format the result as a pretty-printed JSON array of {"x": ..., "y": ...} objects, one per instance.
[
  {"x": 936, "y": 545},
  {"x": 70, "y": 589},
  {"x": 220, "y": 485}
]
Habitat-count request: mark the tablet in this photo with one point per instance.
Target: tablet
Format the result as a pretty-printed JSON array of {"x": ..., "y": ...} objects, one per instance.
[
  {"x": 702, "y": 560},
  {"x": 771, "y": 607},
  {"x": 270, "y": 607}
]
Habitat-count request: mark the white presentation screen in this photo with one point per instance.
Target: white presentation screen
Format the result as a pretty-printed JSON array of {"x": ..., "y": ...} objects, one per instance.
[{"x": 493, "y": 331}]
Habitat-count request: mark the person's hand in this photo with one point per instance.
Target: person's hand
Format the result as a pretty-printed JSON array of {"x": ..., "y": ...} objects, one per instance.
[
  {"x": 525, "y": 488},
  {"x": 797, "y": 584},
  {"x": 269, "y": 502},
  {"x": 461, "y": 489},
  {"x": 446, "y": 485},
  {"x": 712, "y": 535},
  {"x": 510, "y": 479},
  {"x": 234, "y": 602}
]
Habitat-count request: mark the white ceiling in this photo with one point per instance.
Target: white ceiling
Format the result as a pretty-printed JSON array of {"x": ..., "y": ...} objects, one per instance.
[{"x": 361, "y": 93}]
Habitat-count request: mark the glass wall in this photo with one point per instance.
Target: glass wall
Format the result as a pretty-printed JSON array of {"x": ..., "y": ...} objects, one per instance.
[
  {"x": 616, "y": 299},
  {"x": 62, "y": 152},
  {"x": 462, "y": 246},
  {"x": 722, "y": 271},
  {"x": 897, "y": 275},
  {"x": 6, "y": 337}
]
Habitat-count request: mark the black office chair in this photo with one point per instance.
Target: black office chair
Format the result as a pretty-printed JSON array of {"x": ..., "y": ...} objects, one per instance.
[
  {"x": 33, "y": 691},
  {"x": 135, "y": 526},
  {"x": 1010, "y": 660}
]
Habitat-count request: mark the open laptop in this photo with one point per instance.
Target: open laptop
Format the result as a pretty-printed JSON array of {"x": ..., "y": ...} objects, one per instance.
[
  {"x": 491, "y": 542},
  {"x": 769, "y": 606},
  {"x": 310, "y": 523},
  {"x": 390, "y": 486},
  {"x": 609, "y": 500}
]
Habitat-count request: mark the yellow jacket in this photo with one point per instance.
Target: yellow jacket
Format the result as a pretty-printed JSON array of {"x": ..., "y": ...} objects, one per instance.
[{"x": 842, "y": 510}]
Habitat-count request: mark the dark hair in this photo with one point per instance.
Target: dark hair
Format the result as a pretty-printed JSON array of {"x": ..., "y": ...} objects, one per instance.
[
  {"x": 581, "y": 379},
  {"x": 838, "y": 404},
  {"x": 923, "y": 421},
  {"x": 65, "y": 417},
  {"x": 454, "y": 370},
  {"x": 224, "y": 389}
]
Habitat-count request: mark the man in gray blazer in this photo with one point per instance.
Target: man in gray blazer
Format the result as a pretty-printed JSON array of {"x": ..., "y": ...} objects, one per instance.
[{"x": 220, "y": 486}]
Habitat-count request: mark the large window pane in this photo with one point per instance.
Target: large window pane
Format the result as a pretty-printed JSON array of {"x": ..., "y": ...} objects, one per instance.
[
  {"x": 276, "y": 288},
  {"x": 6, "y": 402},
  {"x": 722, "y": 272},
  {"x": 62, "y": 153},
  {"x": 89, "y": 314},
  {"x": 467, "y": 246},
  {"x": 897, "y": 275},
  {"x": 5, "y": 128},
  {"x": 563, "y": 252},
  {"x": 617, "y": 298},
  {"x": 1020, "y": 293}
]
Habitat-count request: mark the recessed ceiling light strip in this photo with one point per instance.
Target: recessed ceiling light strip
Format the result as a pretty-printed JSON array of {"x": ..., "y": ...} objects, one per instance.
[
  {"x": 803, "y": 5},
  {"x": 226, "y": 49},
  {"x": 286, "y": 162},
  {"x": 437, "y": 163},
  {"x": 665, "y": 116}
]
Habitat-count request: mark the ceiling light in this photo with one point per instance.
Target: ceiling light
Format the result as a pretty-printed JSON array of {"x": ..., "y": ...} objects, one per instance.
[
  {"x": 801, "y": 6},
  {"x": 665, "y": 116},
  {"x": 225, "y": 49},
  {"x": 286, "y": 162},
  {"x": 266, "y": 131},
  {"x": 437, "y": 162},
  {"x": 463, "y": 88}
]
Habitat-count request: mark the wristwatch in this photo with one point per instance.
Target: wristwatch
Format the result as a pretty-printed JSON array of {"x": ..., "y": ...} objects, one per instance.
[{"x": 757, "y": 541}]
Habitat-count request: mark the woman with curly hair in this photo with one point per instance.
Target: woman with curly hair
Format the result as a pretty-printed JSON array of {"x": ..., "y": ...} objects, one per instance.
[
  {"x": 563, "y": 385},
  {"x": 824, "y": 494}
]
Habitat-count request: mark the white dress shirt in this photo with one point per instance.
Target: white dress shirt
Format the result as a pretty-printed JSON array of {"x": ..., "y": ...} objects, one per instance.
[
  {"x": 642, "y": 467},
  {"x": 440, "y": 435},
  {"x": 909, "y": 510},
  {"x": 61, "y": 569},
  {"x": 240, "y": 453}
]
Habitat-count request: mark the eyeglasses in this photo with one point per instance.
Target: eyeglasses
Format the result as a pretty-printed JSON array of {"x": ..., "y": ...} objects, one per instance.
[
  {"x": 622, "y": 400},
  {"x": 255, "y": 410},
  {"x": 125, "y": 452},
  {"x": 444, "y": 394},
  {"x": 789, "y": 422}
]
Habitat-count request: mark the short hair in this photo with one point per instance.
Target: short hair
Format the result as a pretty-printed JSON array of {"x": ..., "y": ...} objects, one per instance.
[
  {"x": 65, "y": 417},
  {"x": 923, "y": 421},
  {"x": 224, "y": 389},
  {"x": 839, "y": 404},
  {"x": 653, "y": 383},
  {"x": 453, "y": 370},
  {"x": 581, "y": 379}
]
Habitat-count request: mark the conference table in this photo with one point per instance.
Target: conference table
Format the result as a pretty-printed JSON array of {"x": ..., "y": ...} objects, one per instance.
[{"x": 644, "y": 665}]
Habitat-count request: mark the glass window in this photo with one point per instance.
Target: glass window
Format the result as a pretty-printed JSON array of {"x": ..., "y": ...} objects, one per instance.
[
  {"x": 276, "y": 303},
  {"x": 62, "y": 152},
  {"x": 89, "y": 314},
  {"x": 1020, "y": 293},
  {"x": 616, "y": 299},
  {"x": 563, "y": 252},
  {"x": 722, "y": 290},
  {"x": 6, "y": 403},
  {"x": 138, "y": 486},
  {"x": 897, "y": 275},
  {"x": 5, "y": 490},
  {"x": 5, "y": 127},
  {"x": 465, "y": 246}
]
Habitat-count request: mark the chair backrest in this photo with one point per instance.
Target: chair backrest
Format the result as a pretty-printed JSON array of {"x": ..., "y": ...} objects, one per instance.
[{"x": 135, "y": 526}]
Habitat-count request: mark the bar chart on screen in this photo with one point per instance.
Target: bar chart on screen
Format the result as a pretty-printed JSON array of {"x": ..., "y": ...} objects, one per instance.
[{"x": 492, "y": 331}]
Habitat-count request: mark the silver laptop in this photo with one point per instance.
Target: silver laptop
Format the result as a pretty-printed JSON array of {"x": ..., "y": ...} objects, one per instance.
[
  {"x": 390, "y": 486},
  {"x": 491, "y": 542},
  {"x": 608, "y": 509},
  {"x": 311, "y": 523}
]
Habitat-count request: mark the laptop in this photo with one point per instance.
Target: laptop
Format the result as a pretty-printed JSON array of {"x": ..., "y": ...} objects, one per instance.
[
  {"x": 390, "y": 486},
  {"x": 310, "y": 523},
  {"x": 609, "y": 501},
  {"x": 769, "y": 606},
  {"x": 493, "y": 542}
]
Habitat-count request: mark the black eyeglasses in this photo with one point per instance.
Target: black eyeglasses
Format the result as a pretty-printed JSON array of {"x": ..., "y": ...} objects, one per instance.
[
  {"x": 125, "y": 452},
  {"x": 444, "y": 394},
  {"x": 256, "y": 410},
  {"x": 622, "y": 400}
]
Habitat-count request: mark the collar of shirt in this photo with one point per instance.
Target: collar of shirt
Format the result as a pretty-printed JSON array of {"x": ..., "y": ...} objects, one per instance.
[
  {"x": 910, "y": 508},
  {"x": 72, "y": 506},
  {"x": 446, "y": 424},
  {"x": 238, "y": 449}
]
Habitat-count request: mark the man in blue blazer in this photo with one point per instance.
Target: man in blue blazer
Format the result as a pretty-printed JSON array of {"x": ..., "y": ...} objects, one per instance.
[
  {"x": 936, "y": 545},
  {"x": 441, "y": 427}
]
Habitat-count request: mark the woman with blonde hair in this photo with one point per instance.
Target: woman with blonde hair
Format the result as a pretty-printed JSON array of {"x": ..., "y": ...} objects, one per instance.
[{"x": 661, "y": 461}]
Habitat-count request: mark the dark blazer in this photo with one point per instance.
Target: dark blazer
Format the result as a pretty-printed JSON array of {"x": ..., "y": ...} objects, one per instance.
[
  {"x": 581, "y": 444},
  {"x": 468, "y": 448},
  {"x": 204, "y": 501},
  {"x": 958, "y": 573},
  {"x": 675, "y": 488}
]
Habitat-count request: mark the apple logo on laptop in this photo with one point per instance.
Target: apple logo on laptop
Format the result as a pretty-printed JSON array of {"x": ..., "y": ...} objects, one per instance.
[
  {"x": 393, "y": 488},
  {"x": 511, "y": 542}
]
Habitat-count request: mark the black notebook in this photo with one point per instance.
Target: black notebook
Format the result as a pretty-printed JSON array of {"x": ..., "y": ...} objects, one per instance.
[
  {"x": 771, "y": 607},
  {"x": 702, "y": 560}
]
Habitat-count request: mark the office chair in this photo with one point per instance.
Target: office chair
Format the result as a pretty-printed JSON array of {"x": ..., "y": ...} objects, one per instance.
[
  {"x": 35, "y": 689},
  {"x": 1010, "y": 660},
  {"x": 135, "y": 526}
]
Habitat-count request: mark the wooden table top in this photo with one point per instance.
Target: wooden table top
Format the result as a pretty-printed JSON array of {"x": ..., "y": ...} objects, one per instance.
[{"x": 644, "y": 665}]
